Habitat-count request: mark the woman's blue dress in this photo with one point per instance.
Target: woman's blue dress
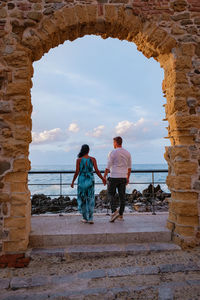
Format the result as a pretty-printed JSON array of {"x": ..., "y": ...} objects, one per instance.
[{"x": 85, "y": 198}]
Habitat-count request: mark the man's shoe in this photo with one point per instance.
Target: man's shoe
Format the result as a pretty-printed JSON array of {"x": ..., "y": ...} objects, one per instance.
[
  {"x": 114, "y": 216},
  {"x": 120, "y": 218}
]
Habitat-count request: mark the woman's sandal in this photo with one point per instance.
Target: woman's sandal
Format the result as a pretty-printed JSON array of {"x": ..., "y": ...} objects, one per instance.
[{"x": 84, "y": 221}]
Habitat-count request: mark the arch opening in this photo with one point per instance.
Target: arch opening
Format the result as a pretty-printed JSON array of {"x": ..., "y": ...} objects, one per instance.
[{"x": 96, "y": 89}]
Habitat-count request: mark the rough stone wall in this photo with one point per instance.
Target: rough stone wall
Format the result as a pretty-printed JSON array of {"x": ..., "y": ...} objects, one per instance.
[{"x": 169, "y": 31}]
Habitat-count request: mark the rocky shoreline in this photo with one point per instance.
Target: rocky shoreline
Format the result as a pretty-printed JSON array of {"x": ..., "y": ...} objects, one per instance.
[{"x": 150, "y": 199}]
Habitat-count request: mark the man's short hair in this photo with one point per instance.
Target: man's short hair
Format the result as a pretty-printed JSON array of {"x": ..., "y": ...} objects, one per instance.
[{"x": 118, "y": 140}]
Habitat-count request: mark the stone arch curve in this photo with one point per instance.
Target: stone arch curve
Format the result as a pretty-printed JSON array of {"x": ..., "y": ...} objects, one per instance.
[
  {"x": 116, "y": 21},
  {"x": 160, "y": 30}
]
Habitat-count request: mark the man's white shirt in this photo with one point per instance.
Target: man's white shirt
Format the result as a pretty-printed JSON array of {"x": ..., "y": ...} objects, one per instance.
[{"x": 119, "y": 161}]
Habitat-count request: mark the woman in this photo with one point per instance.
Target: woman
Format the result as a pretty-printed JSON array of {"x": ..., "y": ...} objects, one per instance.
[{"x": 84, "y": 169}]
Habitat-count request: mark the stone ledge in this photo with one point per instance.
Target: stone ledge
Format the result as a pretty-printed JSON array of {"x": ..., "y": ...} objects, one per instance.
[{"x": 105, "y": 250}]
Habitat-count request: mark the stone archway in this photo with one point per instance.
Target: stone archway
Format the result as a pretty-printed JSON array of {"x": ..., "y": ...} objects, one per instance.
[{"x": 165, "y": 30}]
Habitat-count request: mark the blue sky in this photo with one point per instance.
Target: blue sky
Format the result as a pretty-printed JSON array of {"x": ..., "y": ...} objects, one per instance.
[{"x": 90, "y": 90}]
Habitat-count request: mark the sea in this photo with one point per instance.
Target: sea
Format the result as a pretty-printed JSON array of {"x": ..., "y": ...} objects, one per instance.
[{"x": 49, "y": 183}]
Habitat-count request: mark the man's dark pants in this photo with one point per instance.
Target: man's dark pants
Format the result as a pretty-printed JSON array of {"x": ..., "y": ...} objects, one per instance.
[{"x": 120, "y": 185}]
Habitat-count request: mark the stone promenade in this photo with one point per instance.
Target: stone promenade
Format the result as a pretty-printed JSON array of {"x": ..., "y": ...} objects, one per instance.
[
  {"x": 163, "y": 275},
  {"x": 82, "y": 267},
  {"x": 67, "y": 230}
]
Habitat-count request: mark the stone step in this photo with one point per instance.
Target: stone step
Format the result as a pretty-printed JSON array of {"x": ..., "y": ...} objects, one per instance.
[
  {"x": 67, "y": 230},
  {"x": 111, "y": 283},
  {"x": 86, "y": 251}
]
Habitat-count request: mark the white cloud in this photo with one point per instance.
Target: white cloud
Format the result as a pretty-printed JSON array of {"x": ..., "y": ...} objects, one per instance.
[
  {"x": 96, "y": 132},
  {"x": 47, "y": 136},
  {"x": 73, "y": 127},
  {"x": 141, "y": 130},
  {"x": 123, "y": 127}
]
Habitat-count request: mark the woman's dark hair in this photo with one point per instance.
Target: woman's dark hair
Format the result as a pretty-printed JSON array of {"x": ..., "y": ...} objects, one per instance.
[{"x": 84, "y": 150}]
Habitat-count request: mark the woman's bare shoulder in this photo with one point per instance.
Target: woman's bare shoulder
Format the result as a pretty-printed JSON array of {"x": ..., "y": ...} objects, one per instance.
[{"x": 92, "y": 158}]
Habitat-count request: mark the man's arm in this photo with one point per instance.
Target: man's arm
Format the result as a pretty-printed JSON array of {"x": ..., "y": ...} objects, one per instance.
[
  {"x": 106, "y": 173},
  {"x": 109, "y": 164},
  {"x": 128, "y": 175}
]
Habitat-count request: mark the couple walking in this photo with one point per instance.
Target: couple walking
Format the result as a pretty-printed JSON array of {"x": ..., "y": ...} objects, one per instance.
[{"x": 119, "y": 167}]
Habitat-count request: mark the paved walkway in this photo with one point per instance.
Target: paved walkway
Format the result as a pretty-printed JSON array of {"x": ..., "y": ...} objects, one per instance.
[
  {"x": 68, "y": 230},
  {"x": 152, "y": 276}
]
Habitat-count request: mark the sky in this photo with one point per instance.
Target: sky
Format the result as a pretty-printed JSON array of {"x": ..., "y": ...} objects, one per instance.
[{"x": 91, "y": 90}]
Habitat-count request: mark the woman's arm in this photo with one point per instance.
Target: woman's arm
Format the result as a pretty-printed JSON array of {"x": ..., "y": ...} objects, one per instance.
[
  {"x": 97, "y": 170},
  {"x": 76, "y": 172}
]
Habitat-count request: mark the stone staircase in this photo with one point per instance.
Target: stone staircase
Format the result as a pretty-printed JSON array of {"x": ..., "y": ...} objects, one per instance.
[{"x": 66, "y": 236}]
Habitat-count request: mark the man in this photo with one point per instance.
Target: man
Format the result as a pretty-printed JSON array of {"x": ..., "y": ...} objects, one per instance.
[{"x": 119, "y": 166}]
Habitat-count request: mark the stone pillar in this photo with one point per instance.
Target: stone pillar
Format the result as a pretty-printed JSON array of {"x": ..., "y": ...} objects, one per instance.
[
  {"x": 15, "y": 136},
  {"x": 181, "y": 86}
]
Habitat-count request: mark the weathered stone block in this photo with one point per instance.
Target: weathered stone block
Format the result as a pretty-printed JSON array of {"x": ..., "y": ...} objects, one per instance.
[
  {"x": 15, "y": 222},
  {"x": 195, "y": 79},
  {"x": 187, "y": 168},
  {"x": 10, "y": 246},
  {"x": 172, "y": 217},
  {"x": 110, "y": 13},
  {"x": 5, "y": 208},
  {"x": 184, "y": 196},
  {"x": 183, "y": 121},
  {"x": 4, "y": 197},
  {"x": 16, "y": 177},
  {"x": 14, "y": 149},
  {"x": 17, "y": 59},
  {"x": 35, "y": 15},
  {"x": 81, "y": 13},
  {"x": 18, "y": 187},
  {"x": 3, "y": 13},
  {"x": 178, "y": 5},
  {"x": 22, "y": 210},
  {"x": 185, "y": 230},
  {"x": 18, "y": 88},
  {"x": 92, "y": 13},
  {"x": 183, "y": 207},
  {"x": 180, "y": 152},
  {"x": 14, "y": 261},
  {"x": 183, "y": 62},
  {"x": 180, "y": 182},
  {"x": 187, "y": 220},
  {"x": 20, "y": 198},
  {"x": 69, "y": 16},
  {"x": 21, "y": 165},
  {"x": 181, "y": 16},
  {"x": 4, "y": 166},
  {"x": 177, "y": 30},
  {"x": 18, "y": 234}
]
